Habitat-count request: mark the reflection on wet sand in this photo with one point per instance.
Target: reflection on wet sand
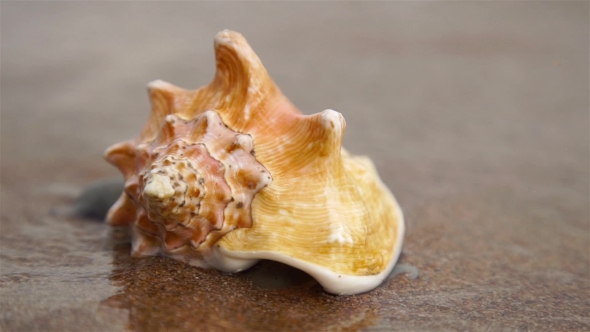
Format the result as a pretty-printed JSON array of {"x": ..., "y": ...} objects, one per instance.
[{"x": 163, "y": 294}]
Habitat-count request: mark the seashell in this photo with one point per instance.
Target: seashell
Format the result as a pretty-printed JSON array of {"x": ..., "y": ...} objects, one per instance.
[{"x": 232, "y": 173}]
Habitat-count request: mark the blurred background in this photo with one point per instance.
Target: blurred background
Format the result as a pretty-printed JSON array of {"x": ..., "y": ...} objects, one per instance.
[{"x": 475, "y": 114}]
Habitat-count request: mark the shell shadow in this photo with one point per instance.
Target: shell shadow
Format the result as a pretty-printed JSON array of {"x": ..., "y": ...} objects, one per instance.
[{"x": 93, "y": 202}]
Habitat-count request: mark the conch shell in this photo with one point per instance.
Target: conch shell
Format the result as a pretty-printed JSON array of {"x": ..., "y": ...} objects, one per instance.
[{"x": 232, "y": 173}]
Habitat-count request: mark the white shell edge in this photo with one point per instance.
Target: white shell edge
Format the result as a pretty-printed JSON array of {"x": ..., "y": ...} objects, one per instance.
[{"x": 332, "y": 282}]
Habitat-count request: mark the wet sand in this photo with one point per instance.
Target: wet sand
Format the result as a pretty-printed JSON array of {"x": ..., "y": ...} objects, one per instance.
[{"x": 475, "y": 114}]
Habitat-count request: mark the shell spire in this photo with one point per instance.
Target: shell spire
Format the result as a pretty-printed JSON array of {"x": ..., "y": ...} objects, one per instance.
[{"x": 232, "y": 172}]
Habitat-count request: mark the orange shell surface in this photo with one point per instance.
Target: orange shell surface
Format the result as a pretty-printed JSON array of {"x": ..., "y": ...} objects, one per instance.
[{"x": 232, "y": 172}]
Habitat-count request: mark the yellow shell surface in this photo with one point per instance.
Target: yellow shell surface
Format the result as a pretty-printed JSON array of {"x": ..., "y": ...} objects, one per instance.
[{"x": 319, "y": 207}]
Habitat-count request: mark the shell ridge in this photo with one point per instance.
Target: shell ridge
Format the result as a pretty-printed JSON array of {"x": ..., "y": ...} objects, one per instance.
[
  {"x": 160, "y": 96},
  {"x": 122, "y": 156},
  {"x": 122, "y": 212}
]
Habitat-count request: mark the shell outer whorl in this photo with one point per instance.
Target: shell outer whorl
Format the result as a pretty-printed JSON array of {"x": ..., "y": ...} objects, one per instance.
[
  {"x": 193, "y": 172},
  {"x": 194, "y": 183}
]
